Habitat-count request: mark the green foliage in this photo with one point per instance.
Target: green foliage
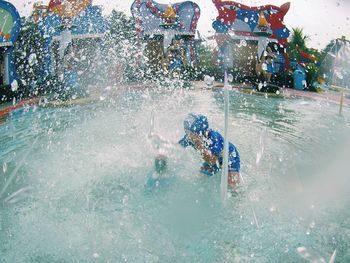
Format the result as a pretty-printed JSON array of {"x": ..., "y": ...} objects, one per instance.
[
  {"x": 6, "y": 94},
  {"x": 206, "y": 64},
  {"x": 28, "y": 57},
  {"x": 121, "y": 27},
  {"x": 122, "y": 47},
  {"x": 311, "y": 71},
  {"x": 121, "y": 38},
  {"x": 298, "y": 42},
  {"x": 204, "y": 56}
]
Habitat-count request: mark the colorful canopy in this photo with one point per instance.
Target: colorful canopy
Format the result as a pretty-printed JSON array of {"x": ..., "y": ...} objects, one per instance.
[
  {"x": 266, "y": 20},
  {"x": 68, "y": 8}
]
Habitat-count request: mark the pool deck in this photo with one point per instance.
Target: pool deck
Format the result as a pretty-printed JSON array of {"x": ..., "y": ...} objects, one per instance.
[
  {"x": 6, "y": 109},
  {"x": 326, "y": 96}
]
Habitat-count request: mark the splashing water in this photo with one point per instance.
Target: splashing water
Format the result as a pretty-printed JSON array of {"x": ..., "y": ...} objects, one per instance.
[
  {"x": 260, "y": 152},
  {"x": 77, "y": 193}
]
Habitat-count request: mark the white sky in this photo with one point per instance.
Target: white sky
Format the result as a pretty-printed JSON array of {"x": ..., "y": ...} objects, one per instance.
[{"x": 322, "y": 20}]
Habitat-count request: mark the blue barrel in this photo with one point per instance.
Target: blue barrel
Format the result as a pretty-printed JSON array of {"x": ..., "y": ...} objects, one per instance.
[
  {"x": 299, "y": 79},
  {"x": 70, "y": 79}
]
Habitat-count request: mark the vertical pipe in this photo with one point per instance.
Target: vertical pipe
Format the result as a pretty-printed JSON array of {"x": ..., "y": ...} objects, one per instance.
[
  {"x": 341, "y": 103},
  {"x": 6, "y": 69},
  {"x": 224, "y": 175}
]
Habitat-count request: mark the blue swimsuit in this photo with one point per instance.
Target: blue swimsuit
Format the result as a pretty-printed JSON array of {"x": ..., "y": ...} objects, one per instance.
[{"x": 215, "y": 143}]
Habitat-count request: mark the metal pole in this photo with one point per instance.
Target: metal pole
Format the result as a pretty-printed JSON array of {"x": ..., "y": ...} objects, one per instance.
[
  {"x": 341, "y": 102},
  {"x": 224, "y": 175}
]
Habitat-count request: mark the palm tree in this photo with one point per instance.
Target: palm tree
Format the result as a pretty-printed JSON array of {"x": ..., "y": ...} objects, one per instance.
[
  {"x": 298, "y": 38},
  {"x": 298, "y": 41},
  {"x": 299, "y": 52}
]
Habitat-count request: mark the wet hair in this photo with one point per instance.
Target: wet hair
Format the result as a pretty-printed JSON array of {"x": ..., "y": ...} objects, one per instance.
[{"x": 196, "y": 123}]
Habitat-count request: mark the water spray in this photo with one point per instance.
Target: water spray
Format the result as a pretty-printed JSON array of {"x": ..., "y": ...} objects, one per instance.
[
  {"x": 151, "y": 129},
  {"x": 14, "y": 173},
  {"x": 250, "y": 202}
]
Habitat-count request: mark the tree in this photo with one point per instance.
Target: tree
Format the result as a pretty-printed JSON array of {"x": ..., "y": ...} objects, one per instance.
[
  {"x": 206, "y": 63},
  {"x": 29, "y": 57},
  {"x": 298, "y": 51},
  {"x": 122, "y": 47},
  {"x": 121, "y": 27},
  {"x": 298, "y": 41}
]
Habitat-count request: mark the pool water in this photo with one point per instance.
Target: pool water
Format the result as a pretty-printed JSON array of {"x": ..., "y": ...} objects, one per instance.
[{"x": 72, "y": 183}]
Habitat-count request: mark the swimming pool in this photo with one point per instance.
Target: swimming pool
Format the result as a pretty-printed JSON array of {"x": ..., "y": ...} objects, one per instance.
[{"x": 72, "y": 182}]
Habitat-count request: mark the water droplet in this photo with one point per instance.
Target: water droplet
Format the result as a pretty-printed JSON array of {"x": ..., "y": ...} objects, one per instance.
[
  {"x": 4, "y": 167},
  {"x": 243, "y": 43},
  {"x": 14, "y": 85},
  {"x": 95, "y": 255},
  {"x": 32, "y": 60},
  {"x": 208, "y": 80}
]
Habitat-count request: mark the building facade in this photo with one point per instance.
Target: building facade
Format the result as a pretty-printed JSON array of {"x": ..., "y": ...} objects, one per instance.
[
  {"x": 248, "y": 36},
  {"x": 167, "y": 32},
  {"x": 73, "y": 32}
]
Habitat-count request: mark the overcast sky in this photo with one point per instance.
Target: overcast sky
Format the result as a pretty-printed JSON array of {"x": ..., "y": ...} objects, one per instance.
[{"x": 322, "y": 20}]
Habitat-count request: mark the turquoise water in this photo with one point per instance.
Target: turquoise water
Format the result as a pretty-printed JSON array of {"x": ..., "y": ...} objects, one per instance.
[{"x": 72, "y": 182}]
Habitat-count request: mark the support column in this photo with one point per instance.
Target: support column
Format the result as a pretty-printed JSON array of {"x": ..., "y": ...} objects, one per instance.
[{"x": 6, "y": 69}]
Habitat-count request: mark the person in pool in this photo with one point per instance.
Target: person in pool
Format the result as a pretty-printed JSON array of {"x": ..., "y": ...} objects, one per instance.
[{"x": 210, "y": 144}]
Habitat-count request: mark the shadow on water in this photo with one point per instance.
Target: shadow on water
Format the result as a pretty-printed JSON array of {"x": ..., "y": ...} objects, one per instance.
[{"x": 80, "y": 194}]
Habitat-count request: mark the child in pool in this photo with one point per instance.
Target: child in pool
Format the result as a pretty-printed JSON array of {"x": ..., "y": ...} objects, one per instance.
[{"x": 210, "y": 145}]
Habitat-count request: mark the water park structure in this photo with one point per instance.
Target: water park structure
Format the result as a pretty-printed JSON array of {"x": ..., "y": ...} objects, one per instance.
[
  {"x": 251, "y": 40},
  {"x": 167, "y": 32},
  {"x": 73, "y": 32},
  {"x": 106, "y": 176},
  {"x": 10, "y": 24}
]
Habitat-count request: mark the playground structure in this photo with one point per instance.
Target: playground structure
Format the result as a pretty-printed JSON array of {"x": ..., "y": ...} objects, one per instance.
[
  {"x": 10, "y": 23},
  {"x": 167, "y": 32},
  {"x": 252, "y": 40},
  {"x": 335, "y": 68},
  {"x": 73, "y": 33}
]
